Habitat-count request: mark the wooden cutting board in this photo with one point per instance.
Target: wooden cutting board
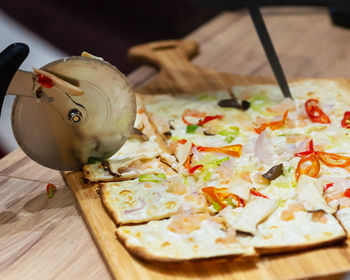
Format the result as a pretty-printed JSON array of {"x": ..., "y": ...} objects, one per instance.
[{"x": 178, "y": 75}]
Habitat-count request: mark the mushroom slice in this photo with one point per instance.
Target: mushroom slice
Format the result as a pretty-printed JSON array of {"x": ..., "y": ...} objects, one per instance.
[
  {"x": 138, "y": 134},
  {"x": 255, "y": 212},
  {"x": 309, "y": 193},
  {"x": 183, "y": 151}
]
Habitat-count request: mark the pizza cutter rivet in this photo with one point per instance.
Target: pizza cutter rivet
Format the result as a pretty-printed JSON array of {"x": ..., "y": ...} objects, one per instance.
[{"x": 74, "y": 115}]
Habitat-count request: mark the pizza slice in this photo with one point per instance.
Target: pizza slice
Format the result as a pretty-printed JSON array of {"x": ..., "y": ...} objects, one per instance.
[
  {"x": 141, "y": 154},
  {"x": 150, "y": 197},
  {"x": 181, "y": 237}
]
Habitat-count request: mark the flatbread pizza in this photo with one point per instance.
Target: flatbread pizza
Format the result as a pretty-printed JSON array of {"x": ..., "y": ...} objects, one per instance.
[{"x": 237, "y": 173}]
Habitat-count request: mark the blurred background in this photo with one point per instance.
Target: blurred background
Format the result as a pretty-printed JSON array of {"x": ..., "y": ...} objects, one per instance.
[{"x": 108, "y": 28}]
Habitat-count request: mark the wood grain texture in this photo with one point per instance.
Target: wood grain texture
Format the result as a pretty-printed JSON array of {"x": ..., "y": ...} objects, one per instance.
[
  {"x": 308, "y": 46},
  {"x": 18, "y": 165},
  {"x": 315, "y": 263},
  {"x": 40, "y": 235}
]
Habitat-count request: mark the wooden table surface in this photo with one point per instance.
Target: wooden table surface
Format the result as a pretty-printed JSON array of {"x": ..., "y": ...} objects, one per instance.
[{"x": 48, "y": 239}]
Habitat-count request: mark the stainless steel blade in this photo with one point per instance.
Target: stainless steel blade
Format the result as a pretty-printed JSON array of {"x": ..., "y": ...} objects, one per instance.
[
  {"x": 47, "y": 136},
  {"x": 269, "y": 49}
]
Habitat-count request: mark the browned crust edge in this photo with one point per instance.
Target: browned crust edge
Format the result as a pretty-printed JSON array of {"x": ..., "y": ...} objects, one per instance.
[
  {"x": 107, "y": 205},
  {"x": 300, "y": 247},
  {"x": 143, "y": 254}
]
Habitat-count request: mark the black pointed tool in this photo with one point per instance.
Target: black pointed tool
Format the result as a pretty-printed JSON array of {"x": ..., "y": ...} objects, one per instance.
[{"x": 268, "y": 48}]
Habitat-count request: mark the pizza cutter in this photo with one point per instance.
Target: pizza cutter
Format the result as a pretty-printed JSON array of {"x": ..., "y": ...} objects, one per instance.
[{"x": 69, "y": 112}]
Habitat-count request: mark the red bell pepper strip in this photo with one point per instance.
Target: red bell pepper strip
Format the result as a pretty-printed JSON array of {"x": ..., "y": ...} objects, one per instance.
[
  {"x": 308, "y": 165},
  {"x": 50, "y": 188},
  {"x": 272, "y": 125},
  {"x": 346, "y": 120},
  {"x": 333, "y": 160},
  {"x": 187, "y": 163},
  {"x": 314, "y": 112},
  {"x": 194, "y": 168},
  {"x": 326, "y": 187},
  {"x": 182, "y": 141},
  {"x": 208, "y": 119},
  {"x": 347, "y": 193},
  {"x": 45, "y": 81},
  {"x": 233, "y": 150},
  {"x": 256, "y": 193},
  {"x": 220, "y": 194},
  {"x": 213, "y": 193},
  {"x": 240, "y": 201},
  {"x": 192, "y": 113},
  {"x": 310, "y": 150}
]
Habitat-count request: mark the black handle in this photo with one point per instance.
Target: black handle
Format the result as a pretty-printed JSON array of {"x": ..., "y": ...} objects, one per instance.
[{"x": 10, "y": 60}]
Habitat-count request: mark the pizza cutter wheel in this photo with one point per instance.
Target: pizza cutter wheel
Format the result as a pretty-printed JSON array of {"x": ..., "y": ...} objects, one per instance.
[{"x": 70, "y": 111}]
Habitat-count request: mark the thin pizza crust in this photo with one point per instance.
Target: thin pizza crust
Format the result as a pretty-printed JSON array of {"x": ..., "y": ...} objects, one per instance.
[
  {"x": 297, "y": 215},
  {"x": 138, "y": 202},
  {"x": 157, "y": 241}
]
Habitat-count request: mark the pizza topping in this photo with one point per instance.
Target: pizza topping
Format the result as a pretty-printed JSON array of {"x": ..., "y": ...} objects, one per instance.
[
  {"x": 93, "y": 160},
  {"x": 309, "y": 151},
  {"x": 320, "y": 217},
  {"x": 259, "y": 103},
  {"x": 208, "y": 119},
  {"x": 288, "y": 214},
  {"x": 230, "y": 134},
  {"x": 308, "y": 165},
  {"x": 206, "y": 133},
  {"x": 191, "y": 128},
  {"x": 167, "y": 134},
  {"x": 309, "y": 192},
  {"x": 183, "y": 151},
  {"x": 50, "y": 189},
  {"x": 286, "y": 104},
  {"x": 347, "y": 193},
  {"x": 326, "y": 187},
  {"x": 185, "y": 224},
  {"x": 138, "y": 134},
  {"x": 192, "y": 113},
  {"x": 333, "y": 160},
  {"x": 346, "y": 120},
  {"x": 176, "y": 184},
  {"x": 314, "y": 112},
  {"x": 233, "y": 103},
  {"x": 263, "y": 149},
  {"x": 197, "y": 114},
  {"x": 255, "y": 212},
  {"x": 221, "y": 198},
  {"x": 245, "y": 105},
  {"x": 233, "y": 150},
  {"x": 229, "y": 103},
  {"x": 272, "y": 125},
  {"x": 143, "y": 204},
  {"x": 194, "y": 168},
  {"x": 274, "y": 172},
  {"x": 253, "y": 191},
  {"x": 152, "y": 178}
]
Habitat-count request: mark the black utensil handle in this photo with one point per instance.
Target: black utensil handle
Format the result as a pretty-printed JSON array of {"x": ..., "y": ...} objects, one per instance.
[{"x": 10, "y": 60}]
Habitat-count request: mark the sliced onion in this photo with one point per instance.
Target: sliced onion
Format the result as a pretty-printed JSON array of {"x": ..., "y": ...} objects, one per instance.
[
  {"x": 158, "y": 196},
  {"x": 143, "y": 204},
  {"x": 262, "y": 149},
  {"x": 302, "y": 146}
]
